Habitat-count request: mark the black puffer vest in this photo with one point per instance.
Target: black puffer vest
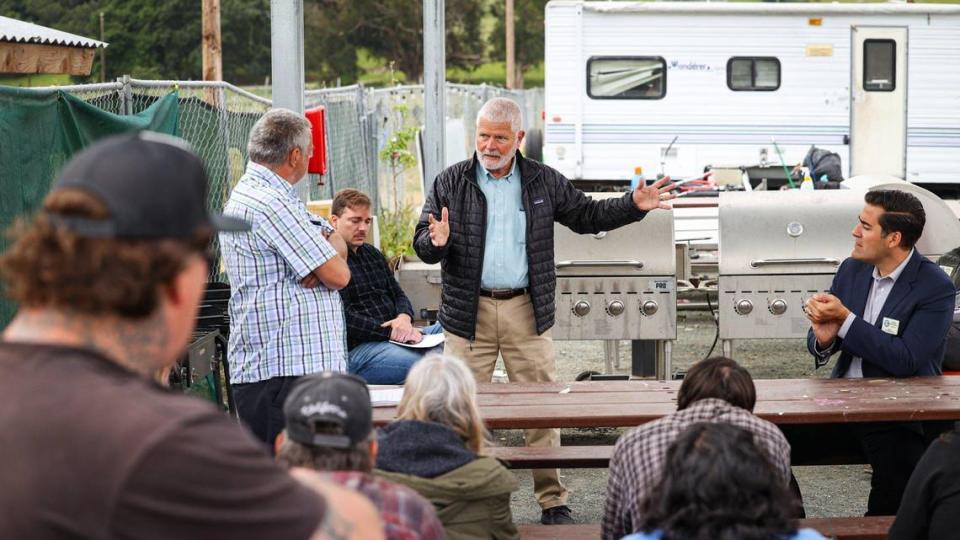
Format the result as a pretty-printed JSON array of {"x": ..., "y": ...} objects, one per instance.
[{"x": 547, "y": 196}]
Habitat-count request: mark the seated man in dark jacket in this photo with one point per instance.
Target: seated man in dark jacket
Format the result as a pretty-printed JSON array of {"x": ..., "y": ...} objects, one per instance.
[
  {"x": 378, "y": 312},
  {"x": 887, "y": 315}
]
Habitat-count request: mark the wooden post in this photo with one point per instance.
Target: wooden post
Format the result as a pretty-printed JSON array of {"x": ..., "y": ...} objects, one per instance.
[
  {"x": 212, "y": 52},
  {"x": 511, "y": 47},
  {"x": 103, "y": 54}
]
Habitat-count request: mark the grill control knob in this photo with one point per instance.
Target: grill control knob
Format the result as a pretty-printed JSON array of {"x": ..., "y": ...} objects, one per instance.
[
  {"x": 743, "y": 307},
  {"x": 649, "y": 308},
  {"x": 778, "y": 306},
  {"x": 581, "y": 308},
  {"x": 615, "y": 308}
]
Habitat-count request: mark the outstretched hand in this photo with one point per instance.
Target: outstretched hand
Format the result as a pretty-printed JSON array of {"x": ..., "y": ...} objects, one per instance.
[
  {"x": 439, "y": 230},
  {"x": 655, "y": 195}
]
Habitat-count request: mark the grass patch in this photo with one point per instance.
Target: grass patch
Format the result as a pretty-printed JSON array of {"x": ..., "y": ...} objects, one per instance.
[
  {"x": 495, "y": 73},
  {"x": 36, "y": 79}
]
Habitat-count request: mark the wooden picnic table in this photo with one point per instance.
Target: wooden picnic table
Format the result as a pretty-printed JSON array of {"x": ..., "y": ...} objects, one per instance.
[{"x": 781, "y": 401}]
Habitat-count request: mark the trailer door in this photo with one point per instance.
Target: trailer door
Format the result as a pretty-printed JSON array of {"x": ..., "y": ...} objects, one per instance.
[{"x": 878, "y": 101}]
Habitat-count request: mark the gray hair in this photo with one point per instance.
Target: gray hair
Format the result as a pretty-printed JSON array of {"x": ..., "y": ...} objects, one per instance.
[
  {"x": 276, "y": 134},
  {"x": 441, "y": 389},
  {"x": 501, "y": 110}
]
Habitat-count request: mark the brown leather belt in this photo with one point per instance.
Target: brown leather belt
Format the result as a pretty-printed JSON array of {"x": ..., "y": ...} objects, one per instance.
[{"x": 502, "y": 294}]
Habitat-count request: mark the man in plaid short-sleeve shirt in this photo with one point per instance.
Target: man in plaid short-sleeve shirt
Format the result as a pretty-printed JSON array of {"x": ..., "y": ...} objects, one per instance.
[
  {"x": 714, "y": 390},
  {"x": 286, "y": 318}
]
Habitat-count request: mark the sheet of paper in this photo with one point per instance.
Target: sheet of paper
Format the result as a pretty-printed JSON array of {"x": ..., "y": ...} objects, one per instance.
[
  {"x": 385, "y": 396},
  {"x": 429, "y": 341}
]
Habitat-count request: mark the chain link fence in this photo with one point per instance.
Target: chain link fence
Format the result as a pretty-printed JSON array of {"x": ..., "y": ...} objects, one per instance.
[
  {"x": 216, "y": 118},
  {"x": 348, "y": 151},
  {"x": 361, "y": 122}
]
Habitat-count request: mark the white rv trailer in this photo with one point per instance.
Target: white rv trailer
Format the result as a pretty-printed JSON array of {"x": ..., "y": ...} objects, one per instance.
[{"x": 879, "y": 84}]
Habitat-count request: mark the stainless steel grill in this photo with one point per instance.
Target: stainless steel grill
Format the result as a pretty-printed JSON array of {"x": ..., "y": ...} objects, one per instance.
[
  {"x": 421, "y": 282},
  {"x": 777, "y": 248},
  {"x": 619, "y": 284}
]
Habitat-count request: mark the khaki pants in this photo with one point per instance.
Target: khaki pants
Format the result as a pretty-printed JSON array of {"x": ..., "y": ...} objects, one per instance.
[{"x": 507, "y": 327}]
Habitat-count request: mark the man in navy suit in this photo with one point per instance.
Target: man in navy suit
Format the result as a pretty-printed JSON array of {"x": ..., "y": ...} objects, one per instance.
[{"x": 887, "y": 313}]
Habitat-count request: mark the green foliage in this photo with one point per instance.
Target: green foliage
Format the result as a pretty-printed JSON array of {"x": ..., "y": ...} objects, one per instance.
[
  {"x": 397, "y": 222},
  {"x": 389, "y": 29},
  {"x": 396, "y": 152},
  {"x": 495, "y": 73},
  {"x": 396, "y": 232},
  {"x": 527, "y": 31},
  {"x": 397, "y": 155},
  {"x": 35, "y": 79}
]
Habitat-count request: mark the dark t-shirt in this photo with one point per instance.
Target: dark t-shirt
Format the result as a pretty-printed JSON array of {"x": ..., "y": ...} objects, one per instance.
[
  {"x": 92, "y": 450},
  {"x": 931, "y": 502}
]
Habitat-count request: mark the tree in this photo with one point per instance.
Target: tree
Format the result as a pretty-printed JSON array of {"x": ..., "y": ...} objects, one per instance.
[
  {"x": 328, "y": 53},
  {"x": 161, "y": 40},
  {"x": 245, "y": 32},
  {"x": 393, "y": 29},
  {"x": 527, "y": 31}
]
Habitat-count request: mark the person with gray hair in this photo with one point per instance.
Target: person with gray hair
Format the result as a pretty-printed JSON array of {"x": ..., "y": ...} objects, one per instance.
[
  {"x": 490, "y": 220},
  {"x": 286, "y": 315}
]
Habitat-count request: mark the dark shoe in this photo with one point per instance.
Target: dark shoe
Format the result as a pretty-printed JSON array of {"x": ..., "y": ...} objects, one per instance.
[{"x": 556, "y": 515}]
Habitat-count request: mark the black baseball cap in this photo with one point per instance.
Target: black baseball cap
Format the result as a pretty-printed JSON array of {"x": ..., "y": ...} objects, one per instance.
[
  {"x": 329, "y": 398},
  {"x": 154, "y": 186}
]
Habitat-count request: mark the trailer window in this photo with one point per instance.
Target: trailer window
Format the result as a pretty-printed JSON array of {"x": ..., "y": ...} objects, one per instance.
[
  {"x": 637, "y": 77},
  {"x": 753, "y": 73},
  {"x": 879, "y": 65}
]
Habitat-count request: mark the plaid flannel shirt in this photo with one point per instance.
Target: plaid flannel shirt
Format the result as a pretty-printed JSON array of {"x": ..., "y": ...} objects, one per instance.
[
  {"x": 638, "y": 457},
  {"x": 405, "y": 513},
  {"x": 372, "y": 297},
  {"x": 279, "y": 328}
]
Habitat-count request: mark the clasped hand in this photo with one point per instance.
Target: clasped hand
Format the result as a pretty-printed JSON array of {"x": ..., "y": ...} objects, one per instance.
[{"x": 826, "y": 313}]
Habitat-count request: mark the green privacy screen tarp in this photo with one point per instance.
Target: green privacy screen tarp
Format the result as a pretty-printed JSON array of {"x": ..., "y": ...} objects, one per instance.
[{"x": 40, "y": 130}]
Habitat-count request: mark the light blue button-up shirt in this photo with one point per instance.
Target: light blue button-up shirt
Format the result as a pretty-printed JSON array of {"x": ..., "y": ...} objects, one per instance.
[{"x": 505, "y": 246}]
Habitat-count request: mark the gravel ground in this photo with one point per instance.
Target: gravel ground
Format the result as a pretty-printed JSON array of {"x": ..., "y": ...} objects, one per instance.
[{"x": 827, "y": 491}]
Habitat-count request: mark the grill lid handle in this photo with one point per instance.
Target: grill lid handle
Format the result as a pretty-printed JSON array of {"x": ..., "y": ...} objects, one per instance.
[
  {"x": 756, "y": 263},
  {"x": 593, "y": 263}
]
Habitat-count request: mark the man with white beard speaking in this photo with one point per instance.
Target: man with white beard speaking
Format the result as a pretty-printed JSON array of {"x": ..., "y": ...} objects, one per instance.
[{"x": 490, "y": 220}]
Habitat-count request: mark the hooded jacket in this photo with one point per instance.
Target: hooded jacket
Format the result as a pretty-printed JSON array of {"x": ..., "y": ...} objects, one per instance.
[{"x": 470, "y": 493}]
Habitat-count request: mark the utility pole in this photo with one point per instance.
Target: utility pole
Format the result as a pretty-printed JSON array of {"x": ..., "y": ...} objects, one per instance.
[
  {"x": 511, "y": 47},
  {"x": 434, "y": 90},
  {"x": 103, "y": 53},
  {"x": 212, "y": 49}
]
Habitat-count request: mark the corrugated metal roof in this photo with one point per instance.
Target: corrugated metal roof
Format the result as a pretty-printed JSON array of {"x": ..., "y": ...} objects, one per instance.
[{"x": 24, "y": 32}]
